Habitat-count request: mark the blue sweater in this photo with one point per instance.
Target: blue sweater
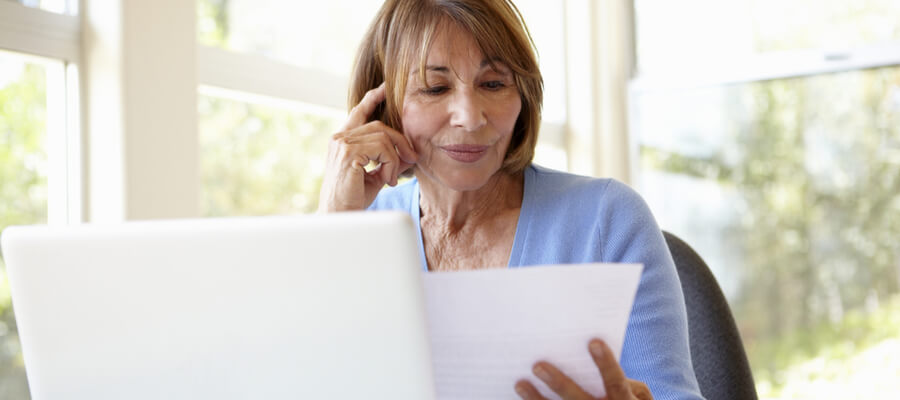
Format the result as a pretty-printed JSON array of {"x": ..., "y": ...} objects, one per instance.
[{"x": 570, "y": 219}]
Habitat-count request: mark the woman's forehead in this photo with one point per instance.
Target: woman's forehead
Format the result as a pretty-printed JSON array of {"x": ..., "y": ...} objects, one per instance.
[
  {"x": 438, "y": 67},
  {"x": 453, "y": 43},
  {"x": 453, "y": 48}
]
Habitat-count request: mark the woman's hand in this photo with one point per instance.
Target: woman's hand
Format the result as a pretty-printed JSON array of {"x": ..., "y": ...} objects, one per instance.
[
  {"x": 347, "y": 185},
  {"x": 617, "y": 385}
]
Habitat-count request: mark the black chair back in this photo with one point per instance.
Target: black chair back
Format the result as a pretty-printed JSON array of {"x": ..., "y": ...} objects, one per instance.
[{"x": 717, "y": 352}]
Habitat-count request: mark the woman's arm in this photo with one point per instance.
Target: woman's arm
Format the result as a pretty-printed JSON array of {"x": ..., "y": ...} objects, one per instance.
[{"x": 656, "y": 349}]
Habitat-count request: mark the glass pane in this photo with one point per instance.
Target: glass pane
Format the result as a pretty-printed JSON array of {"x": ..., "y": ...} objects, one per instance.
[
  {"x": 790, "y": 189},
  {"x": 261, "y": 158},
  {"x": 23, "y": 189},
  {"x": 57, "y": 6},
  {"x": 701, "y": 32},
  {"x": 322, "y": 34}
]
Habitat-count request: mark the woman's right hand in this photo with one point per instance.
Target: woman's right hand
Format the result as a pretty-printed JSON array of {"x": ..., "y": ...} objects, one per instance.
[{"x": 347, "y": 185}]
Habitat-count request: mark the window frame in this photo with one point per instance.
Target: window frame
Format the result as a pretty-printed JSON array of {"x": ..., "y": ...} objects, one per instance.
[
  {"x": 54, "y": 40},
  {"x": 258, "y": 75},
  {"x": 771, "y": 66}
]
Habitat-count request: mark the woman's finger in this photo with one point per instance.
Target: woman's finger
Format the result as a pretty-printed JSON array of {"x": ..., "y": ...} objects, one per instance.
[
  {"x": 374, "y": 131},
  {"x": 640, "y": 390},
  {"x": 355, "y": 153},
  {"x": 558, "y": 382},
  {"x": 527, "y": 391},
  {"x": 388, "y": 171},
  {"x": 379, "y": 148},
  {"x": 360, "y": 114},
  {"x": 614, "y": 380},
  {"x": 404, "y": 147}
]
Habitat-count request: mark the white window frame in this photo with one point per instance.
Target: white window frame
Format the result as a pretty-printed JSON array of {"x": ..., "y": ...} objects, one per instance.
[
  {"x": 599, "y": 61},
  {"x": 770, "y": 66},
  {"x": 42, "y": 36},
  {"x": 254, "y": 74}
]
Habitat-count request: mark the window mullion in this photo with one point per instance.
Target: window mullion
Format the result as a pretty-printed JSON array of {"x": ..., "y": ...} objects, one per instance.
[
  {"x": 765, "y": 67},
  {"x": 254, "y": 74},
  {"x": 38, "y": 32}
]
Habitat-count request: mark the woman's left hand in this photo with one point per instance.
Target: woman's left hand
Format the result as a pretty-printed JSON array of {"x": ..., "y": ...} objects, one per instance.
[{"x": 618, "y": 387}]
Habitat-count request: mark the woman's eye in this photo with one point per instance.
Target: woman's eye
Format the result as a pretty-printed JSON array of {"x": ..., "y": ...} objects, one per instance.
[
  {"x": 434, "y": 90},
  {"x": 494, "y": 85}
]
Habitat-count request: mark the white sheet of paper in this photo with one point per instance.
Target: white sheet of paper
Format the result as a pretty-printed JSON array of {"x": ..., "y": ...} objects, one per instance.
[{"x": 489, "y": 327}]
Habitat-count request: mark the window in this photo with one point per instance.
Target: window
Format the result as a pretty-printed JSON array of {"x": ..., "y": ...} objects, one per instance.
[
  {"x": 284, "y": 31},
  {"x": 264, "y": 122},
  {"x": 23, "y": 187},
  {"x": 55, "y": 6},
  {"x": 261, "y": 156},
  {"x": 779, "y": 136},
  {"x": 39, "y": 146}
]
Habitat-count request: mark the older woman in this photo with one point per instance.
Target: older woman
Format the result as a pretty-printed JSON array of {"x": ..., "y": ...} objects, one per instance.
[{"x": 450, "y": 91}]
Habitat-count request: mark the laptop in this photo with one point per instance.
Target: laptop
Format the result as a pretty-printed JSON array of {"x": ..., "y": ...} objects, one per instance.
[{"x": 307, "y": 307}]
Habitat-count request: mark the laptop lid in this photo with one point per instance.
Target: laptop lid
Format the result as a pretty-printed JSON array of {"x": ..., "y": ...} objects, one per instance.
[{"x": 322, "y": 306}]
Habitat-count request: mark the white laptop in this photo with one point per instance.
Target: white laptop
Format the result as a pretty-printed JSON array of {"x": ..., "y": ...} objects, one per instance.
[{"x": 311, "y": 307}]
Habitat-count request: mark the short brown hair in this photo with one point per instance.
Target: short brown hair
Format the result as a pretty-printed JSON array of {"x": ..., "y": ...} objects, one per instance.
[{"x": 402, "y": 34}]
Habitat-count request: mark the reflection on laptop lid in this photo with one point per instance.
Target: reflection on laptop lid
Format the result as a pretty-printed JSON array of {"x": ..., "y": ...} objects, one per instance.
[{"x": 311, "y": 307}]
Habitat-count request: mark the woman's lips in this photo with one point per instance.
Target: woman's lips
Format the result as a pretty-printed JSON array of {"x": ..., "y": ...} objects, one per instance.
[{"x": 467, "y": 153}]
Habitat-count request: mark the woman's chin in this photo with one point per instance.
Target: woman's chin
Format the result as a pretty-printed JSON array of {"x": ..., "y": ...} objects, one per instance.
[{"x": 461, "y": 180}]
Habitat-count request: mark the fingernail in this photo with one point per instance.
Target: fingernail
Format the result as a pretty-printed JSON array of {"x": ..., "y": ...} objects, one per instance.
[
  {"x": 521, "y": 392},
  {"x": 542, "y": 373},
  {"x": 596, "y": 348}
]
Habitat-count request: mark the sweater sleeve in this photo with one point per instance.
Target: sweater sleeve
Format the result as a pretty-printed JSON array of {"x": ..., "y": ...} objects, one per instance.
[{"x": 656, "y": 349}]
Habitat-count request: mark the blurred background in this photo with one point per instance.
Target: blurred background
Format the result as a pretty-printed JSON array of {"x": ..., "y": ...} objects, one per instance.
[{"x": 765, "y": 133}]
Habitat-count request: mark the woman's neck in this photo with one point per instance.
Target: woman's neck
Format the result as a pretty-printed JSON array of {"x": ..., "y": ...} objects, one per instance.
[{"x": 457, "y": 208}]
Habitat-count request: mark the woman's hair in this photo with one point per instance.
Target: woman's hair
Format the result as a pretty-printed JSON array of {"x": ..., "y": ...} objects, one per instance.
[{"x": 401, "y": 36}]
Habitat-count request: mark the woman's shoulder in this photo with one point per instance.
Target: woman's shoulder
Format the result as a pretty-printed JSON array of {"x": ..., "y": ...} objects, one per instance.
[{"x": 557, "y": 186}]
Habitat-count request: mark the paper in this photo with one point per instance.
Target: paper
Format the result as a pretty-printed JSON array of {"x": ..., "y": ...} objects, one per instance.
[{"x": 489, "y": 327}]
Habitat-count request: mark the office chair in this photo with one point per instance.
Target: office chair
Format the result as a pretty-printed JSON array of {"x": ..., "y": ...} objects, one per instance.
[{"x": 717, "y": 352}]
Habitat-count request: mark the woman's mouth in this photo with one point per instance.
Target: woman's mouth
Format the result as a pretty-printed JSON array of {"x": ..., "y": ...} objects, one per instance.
[{"x": 467, "y": 153}]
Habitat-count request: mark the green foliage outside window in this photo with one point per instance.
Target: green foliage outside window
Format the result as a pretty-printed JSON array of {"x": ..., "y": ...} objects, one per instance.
[
  {"x": 260, "y": 160},
  {"x": 816, "y": 169},
  {"x": 23, "y": 196}
]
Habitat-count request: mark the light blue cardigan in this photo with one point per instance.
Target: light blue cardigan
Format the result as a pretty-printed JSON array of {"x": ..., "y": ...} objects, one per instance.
[{"x": 570, "y": 219}]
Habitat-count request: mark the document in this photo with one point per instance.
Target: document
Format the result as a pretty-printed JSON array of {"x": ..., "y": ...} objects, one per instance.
[{"x": 489, "y": 327}]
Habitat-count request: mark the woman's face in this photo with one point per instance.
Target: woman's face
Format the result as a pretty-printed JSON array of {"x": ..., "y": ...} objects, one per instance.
[{"x": 461, "y": 121}]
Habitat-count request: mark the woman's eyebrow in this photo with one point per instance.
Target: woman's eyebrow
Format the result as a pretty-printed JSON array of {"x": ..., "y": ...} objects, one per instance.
[
  {"x": 435, "y": 68},
  {"x": 495, "y": 64}
]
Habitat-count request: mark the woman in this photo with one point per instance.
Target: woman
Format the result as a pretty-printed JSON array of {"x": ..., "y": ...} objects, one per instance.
[{"x": 450, "y": 91}]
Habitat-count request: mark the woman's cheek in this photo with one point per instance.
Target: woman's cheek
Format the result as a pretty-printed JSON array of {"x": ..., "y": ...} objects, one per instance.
[
  {"x": 419, "y": 121},
  {"x": 506, "y": 114}
]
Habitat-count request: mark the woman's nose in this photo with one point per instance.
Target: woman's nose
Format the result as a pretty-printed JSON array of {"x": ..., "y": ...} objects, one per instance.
[{"x": 467, "y": 110}]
